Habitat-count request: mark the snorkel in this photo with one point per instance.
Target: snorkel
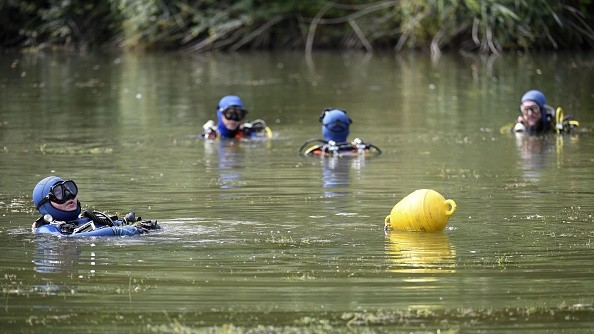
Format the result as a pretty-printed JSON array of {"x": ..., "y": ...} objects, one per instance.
[{"x": 42, "y": 189}]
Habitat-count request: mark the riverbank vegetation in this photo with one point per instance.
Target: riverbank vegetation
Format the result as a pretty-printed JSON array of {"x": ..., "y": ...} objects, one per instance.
[{"x": 482, "y": 26}]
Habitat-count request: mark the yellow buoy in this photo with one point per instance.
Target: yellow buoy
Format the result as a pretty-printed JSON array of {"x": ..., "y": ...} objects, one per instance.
[{"x": 422, "y": 210}]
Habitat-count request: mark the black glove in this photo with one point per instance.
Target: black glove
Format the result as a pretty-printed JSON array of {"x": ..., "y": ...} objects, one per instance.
[
  {"x": 254, "y": 126},
  {"x": 99, "y": 218},
  {"x": 129, "y": 219},
  {"x": 258, "y": 125},
  {"x": 148, "y": 225}
]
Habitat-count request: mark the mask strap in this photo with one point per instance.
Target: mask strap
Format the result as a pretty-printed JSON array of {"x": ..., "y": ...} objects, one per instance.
[{"x": 326, "y": 110}]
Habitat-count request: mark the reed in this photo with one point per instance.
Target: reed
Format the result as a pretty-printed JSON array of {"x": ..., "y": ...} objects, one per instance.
[{"x": 486, "y": 26}]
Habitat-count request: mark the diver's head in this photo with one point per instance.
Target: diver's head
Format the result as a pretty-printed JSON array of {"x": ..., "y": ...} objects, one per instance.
[
  {"x": 230, "y": 113},
  {"x": 533, "y": 109},
  {"x": 57, "y": 198},
  {"x": 335, "y": 124}
]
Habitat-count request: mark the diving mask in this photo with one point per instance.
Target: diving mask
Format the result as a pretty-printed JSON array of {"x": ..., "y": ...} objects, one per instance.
[
  {"x": 60, "y": 193},
  {"x": 234, "y": 113}
]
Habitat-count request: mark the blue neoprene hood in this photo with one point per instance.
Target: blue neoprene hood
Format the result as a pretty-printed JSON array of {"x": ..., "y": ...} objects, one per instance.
[
  {"x": 41, "y": 190},
  {"x": 226, "y": 102},
  {"x": 335, "y": 125},
  {"x": 538, "y": 97}
]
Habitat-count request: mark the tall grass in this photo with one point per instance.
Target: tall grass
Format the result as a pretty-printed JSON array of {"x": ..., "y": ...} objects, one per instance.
[{"x": 484, "y": 26}]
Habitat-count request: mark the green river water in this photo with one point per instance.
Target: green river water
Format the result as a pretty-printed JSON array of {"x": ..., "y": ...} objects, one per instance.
[{"x": 259, "y": 239}]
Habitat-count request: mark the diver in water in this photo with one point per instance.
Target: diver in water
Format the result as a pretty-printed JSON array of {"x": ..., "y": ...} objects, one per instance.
[
  {"x": 536, "y": 117},
  {"x": 230, "y": 114},
  {"x": 61, "y": 214},
  {"x": 335, "y": 129}
]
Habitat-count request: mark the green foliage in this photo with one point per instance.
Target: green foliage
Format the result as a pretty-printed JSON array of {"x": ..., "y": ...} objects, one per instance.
[
  {"x": 209, "y": 24},
  {"x": 18, "y": 18},
  {"x": 66, "y": 23},
  {"x": 487, "y": 26},
  {"x": 493, "y": 26}
]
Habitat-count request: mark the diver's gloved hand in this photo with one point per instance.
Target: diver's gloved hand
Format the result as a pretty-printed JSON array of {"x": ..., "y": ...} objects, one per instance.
[
  {"x": 148, "y": 224},
  {"x": 129, "y": 219},
  {"x": 257, "y": 125},
  {"x": 210, "y": 130},
  {"x": 143, "y": 226},
  {"x": 99, "y": 218}
]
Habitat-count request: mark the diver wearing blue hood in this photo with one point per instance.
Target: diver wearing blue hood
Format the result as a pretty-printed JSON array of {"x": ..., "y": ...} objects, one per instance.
[
  {"x": 335, "y": 129},
  {"x": 230, "y": 114},
  {"x": 537, "y": 117},
  {"x": 61, "y": 214}
]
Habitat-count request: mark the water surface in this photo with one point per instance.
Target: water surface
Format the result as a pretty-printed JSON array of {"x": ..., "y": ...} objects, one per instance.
[{"x": 257, "y": 237}]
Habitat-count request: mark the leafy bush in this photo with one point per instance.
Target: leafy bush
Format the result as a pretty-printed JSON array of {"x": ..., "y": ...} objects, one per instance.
[{"x": 487, "y": 26}]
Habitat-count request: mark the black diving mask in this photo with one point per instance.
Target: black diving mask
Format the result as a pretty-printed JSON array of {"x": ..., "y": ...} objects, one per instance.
[
  {"x": 61, "y": 193},
  {"x": 234, "y": 113},
  {"x": 336, "y": 125}
]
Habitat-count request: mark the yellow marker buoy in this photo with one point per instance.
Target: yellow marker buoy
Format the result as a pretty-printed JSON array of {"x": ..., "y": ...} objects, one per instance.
[{"x": 422, "y": 210}]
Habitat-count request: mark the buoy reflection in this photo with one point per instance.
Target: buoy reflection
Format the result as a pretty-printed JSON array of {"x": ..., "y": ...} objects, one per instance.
[{"x": 416, "y": 252}]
